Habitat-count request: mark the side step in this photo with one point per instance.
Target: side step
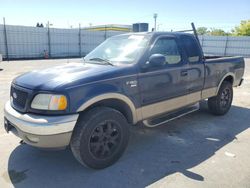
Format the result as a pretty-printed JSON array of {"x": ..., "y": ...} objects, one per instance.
[{"x": 156, "y": 121}]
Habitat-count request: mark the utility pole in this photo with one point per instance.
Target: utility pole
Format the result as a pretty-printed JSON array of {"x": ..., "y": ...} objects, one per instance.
[{"x": 155, "y": 18}]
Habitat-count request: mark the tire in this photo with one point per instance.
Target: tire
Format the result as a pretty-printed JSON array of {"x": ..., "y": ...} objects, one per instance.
[
  {"x": 221, "y": 103},
  {"x": 100, "y": 137}
]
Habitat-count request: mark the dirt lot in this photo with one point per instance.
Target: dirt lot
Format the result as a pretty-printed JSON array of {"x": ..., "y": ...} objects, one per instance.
[{"x": 199, "y": 150}]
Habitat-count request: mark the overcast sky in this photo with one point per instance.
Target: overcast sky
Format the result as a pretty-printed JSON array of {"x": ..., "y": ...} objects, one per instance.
[{"x": 172, "y": 14}]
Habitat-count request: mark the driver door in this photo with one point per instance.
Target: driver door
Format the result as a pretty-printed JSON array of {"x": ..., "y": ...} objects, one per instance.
[{"x": 164, "y": 88}]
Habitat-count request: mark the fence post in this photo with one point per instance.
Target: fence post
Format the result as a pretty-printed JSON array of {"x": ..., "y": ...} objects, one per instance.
[
  {"x": 225, "y": 51},
  {"x": 80, "y": 41},
  {"x": 49, "y": 45},
  {"x": 202, "y": 40},
  {"x": 105, "y": 34},
  {"x": 5, "y": 40}
]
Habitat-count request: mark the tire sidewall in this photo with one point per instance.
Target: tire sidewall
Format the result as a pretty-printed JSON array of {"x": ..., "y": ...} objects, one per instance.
[
  {"x": 225, "y": 85},
  {"x": 89, "y": 123}
]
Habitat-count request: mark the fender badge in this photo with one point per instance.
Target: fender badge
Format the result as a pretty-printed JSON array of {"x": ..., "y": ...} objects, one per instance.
[{"x": 132, "y": 83}]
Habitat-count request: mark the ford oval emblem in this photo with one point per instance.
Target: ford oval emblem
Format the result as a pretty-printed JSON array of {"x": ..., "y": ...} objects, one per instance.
[{"x": 14, "y": 95}]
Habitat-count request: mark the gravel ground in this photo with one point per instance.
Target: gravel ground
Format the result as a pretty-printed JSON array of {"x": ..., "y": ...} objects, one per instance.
[{"x": 198, "y": 150}]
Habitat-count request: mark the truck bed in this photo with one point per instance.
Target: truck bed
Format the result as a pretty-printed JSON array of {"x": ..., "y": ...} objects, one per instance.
[{"x": 219, "y": 66}]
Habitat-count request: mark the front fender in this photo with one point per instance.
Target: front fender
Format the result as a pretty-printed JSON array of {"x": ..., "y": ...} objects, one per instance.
[{"x": 105, "y": 96}]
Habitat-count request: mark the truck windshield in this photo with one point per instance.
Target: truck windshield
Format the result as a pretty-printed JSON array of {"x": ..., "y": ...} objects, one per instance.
[{"x": 123, "y": 49}]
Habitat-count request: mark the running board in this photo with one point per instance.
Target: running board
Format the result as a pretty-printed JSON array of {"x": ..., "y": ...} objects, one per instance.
[{"x": 156, "y": 121}]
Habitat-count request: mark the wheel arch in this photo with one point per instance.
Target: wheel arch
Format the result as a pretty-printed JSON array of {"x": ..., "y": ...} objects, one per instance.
[
  {"x": 113, "y": 100},
  {"x": 227, "y": 77}
]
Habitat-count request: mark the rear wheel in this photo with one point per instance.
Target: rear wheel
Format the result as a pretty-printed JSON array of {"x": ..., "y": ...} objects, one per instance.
[
  {"x": 100, "y": 137},
  {"x": 220, "y": 104}
]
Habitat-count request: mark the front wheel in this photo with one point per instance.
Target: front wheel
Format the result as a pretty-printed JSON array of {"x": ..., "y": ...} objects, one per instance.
[
  {"x": 100, "y": 137},
  {"x": 221, "y": 103}
]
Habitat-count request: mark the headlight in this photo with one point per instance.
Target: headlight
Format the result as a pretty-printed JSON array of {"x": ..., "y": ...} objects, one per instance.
[{"x": 49, "y": 102}]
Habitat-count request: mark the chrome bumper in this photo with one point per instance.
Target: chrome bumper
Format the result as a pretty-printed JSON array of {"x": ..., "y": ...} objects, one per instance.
[{"x": 39, "y": 130}]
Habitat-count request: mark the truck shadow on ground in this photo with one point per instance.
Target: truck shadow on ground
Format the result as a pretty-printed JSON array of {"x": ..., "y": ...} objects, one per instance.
[{"x": 152, "y": 154}]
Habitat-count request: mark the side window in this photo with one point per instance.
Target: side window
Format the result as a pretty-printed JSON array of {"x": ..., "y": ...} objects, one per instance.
[
  {"x": 191, "y": 48},
  {"x": 168, "y": 48}
]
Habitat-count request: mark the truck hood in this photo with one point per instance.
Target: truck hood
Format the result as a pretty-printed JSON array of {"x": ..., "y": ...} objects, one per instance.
[{"x": 52, "y": 78}]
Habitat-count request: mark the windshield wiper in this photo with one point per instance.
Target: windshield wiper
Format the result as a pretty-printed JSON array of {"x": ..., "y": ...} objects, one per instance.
[{"x": 101, "y": 60}]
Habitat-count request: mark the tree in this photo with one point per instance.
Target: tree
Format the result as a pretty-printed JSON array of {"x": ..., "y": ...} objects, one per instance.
[
  {"x": 202, "y": 31},
  {"x": 218, "y": 32},
  {"x": 212, "y": 31},
  {"x": 243, "y": 29}
]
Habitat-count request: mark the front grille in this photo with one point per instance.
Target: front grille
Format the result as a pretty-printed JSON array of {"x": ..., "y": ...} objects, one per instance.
[{"x": 19, "y": 97}]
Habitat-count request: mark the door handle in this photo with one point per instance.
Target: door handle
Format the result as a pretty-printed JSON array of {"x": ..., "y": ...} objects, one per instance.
[{"x": 184, "y": 73}]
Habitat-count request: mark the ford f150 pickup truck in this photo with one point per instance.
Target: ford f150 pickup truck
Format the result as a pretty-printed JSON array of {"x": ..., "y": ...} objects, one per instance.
[{"x": 148, "y": 77}]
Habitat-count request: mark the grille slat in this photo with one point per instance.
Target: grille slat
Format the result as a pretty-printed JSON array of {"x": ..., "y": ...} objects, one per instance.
[{"x": 19, "y": 97}]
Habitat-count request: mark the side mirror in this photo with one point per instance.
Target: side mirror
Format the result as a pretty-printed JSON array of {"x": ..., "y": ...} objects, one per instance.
[{"x": 157, "y": 60}]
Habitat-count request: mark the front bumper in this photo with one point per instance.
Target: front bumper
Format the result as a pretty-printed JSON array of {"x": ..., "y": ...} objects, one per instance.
[{"x": 38, "y": 130}]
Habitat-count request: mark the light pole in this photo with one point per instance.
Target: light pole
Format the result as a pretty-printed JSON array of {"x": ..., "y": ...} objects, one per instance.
[{"x": 155, "y": 17}]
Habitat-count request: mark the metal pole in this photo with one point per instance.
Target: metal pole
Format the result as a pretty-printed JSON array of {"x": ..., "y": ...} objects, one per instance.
[
  {"x": 49, "y": 45},
  {"x": 202, "y": 40},
  {"x": 195, "y": 32},
  {"x": 155, "y": 17},
  {"x": 105, "y": 34},
  {"x": 5, "y": 40},
  {"x": 225, "y": 51},
  {"x": 80, "y": 41},
  {"x": 196, "y": 36}
]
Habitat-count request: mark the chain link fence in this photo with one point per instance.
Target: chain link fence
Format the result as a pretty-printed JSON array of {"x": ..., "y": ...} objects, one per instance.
[
  {"x": 22, "y": 42},
  {"x": 225, "y": 45}
]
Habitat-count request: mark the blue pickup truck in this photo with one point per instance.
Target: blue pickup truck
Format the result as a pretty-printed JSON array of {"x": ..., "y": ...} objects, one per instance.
[{"x": 129, "y": 79}]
